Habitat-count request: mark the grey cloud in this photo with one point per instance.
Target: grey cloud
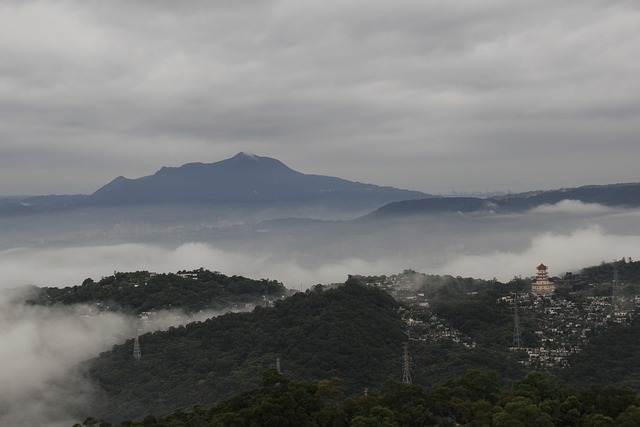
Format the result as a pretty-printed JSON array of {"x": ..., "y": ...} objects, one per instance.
[
  {"x": 71, "y": 265},
  {"x": 315, "y": 81}
]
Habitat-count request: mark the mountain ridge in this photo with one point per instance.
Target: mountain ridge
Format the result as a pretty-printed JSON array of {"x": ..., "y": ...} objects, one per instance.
[
  {"x": 620, "y": 195},
  {"x": 246, "y": 184},
  {"x": 243, "y": 186}
]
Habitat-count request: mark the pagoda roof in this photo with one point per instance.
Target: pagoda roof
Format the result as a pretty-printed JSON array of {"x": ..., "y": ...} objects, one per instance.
[{"x": 542, "y": 267}]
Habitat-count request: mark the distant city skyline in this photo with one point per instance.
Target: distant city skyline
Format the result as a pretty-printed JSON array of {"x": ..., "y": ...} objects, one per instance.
[{"x": 440, "y": 97}]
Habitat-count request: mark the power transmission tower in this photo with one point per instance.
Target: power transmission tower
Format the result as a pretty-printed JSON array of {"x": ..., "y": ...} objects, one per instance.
[
  {"x": 137, "y": 352},
  {"x": 517, "y": 339},
  {"x": 615, "y": 290},
  {"x": 406, "y": 361},
  {"x": 278, "y": 365}
]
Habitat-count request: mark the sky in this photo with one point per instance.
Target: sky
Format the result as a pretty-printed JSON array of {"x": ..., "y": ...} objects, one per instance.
[{"x": 442, "y": 97}]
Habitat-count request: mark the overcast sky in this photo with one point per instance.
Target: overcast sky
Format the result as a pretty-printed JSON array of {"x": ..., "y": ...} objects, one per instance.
[{"x": 437, "y": 96}]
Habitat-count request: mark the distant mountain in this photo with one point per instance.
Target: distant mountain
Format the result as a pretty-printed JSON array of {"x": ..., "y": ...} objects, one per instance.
[
  {"x": 243, "y": 179},
  {"x": 625, "y": 195},
  {"x": 24, "y": 205},
  {"x": 246, "y": 184},
  {"x": 614, "y": 195},
  {"x": 436, "y": 205},
  {"x": 239, "y": 187}
]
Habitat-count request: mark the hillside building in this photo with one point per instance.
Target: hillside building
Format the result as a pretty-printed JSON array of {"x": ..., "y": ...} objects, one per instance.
[
  {"x": 542, "y": 285},
  {"x": 573, "y": 282}
]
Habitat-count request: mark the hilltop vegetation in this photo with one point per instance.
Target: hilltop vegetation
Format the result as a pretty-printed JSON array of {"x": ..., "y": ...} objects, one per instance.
[
  {"x": 143, "y": 291},
  {"x": 628, "y": 272}
]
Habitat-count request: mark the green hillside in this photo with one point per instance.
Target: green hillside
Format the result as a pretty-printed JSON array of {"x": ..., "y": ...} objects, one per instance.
[
  {"x": 144, "y": 291},
  {"x": 352, "y": 332}
]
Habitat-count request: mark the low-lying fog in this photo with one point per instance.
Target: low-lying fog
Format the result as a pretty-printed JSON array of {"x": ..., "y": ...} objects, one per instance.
[
  {"x": 300, "y": 253},
  {"x": 39, "y": 347}
]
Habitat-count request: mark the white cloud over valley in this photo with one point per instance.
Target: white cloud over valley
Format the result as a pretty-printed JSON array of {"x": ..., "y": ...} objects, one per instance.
[
  {"x": 60, "y": 267},
  {"x": 40, "y": 348},
  {"x": 573, "y": 207},
  {"x": 561, "y": 252}
]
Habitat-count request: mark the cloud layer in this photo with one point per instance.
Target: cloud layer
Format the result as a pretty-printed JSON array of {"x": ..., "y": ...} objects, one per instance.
[
  {"x": 40, "y": 348},
  {"x": 561, "y": 252},
  {"x": 62, "y": 267},
  {"x": 479, "y": 257},
  {"x": 430, "y": 95}
]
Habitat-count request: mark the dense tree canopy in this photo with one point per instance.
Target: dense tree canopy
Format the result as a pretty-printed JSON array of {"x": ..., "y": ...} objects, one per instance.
[
  {"x": 472, "y": 399},
  {"x": 143, "y": 291},
  {"x": 353, "y": 332}
]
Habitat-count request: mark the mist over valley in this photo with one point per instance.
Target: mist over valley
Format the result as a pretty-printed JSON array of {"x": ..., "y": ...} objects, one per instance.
[
  {"x": 314, "y": 237},
  {"x": 323, "y": 214},
  {"x": 71, "y": 242}
]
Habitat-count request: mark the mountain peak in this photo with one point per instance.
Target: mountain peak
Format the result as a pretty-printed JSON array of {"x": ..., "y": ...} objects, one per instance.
[
  {"x": 251, "y": 162},
  {"x": 245, "y": 155}
]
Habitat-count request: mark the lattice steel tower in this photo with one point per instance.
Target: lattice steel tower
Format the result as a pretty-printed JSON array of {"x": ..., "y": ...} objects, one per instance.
[
  {"x": 615, "y": 291},
  {"x": 517, "y": 338},
  {"x": 406, "y": 362},
  {"x": 137, "y": 352}
]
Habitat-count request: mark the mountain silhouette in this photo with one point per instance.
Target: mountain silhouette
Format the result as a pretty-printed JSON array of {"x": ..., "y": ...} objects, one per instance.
[
  {"x": 622, "y": 195},
  {"x": 243, "y": 179}
]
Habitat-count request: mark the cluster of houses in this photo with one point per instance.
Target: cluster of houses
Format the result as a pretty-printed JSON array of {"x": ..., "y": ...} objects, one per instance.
[
  {"x": 563, "y": 327},
  {"x": 422, "y": 325},
  {"x": 556, "y": 327}
]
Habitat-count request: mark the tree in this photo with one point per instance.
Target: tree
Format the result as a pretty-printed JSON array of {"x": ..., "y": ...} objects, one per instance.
[
  {"x": 379, "y": 417},
  {"x": 521, "y": 412},
  {"x": 629, "y": 418}
]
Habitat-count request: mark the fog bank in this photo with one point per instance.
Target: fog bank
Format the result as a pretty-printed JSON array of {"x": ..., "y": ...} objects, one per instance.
[
  {"x": 40, "y": 348},
  {"x": 561, "y": 252},
  {"x": 60, "y": 267}
]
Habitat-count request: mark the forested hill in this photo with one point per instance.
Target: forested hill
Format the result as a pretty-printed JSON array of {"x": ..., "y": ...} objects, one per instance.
[
  {"x": 144, "y": 291},
  {"x": 353, "y": 332},
  {"x": 610, "y": 358},
  {"x": 625, "y": 195},
  {"x": 628, "y": 271}
]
